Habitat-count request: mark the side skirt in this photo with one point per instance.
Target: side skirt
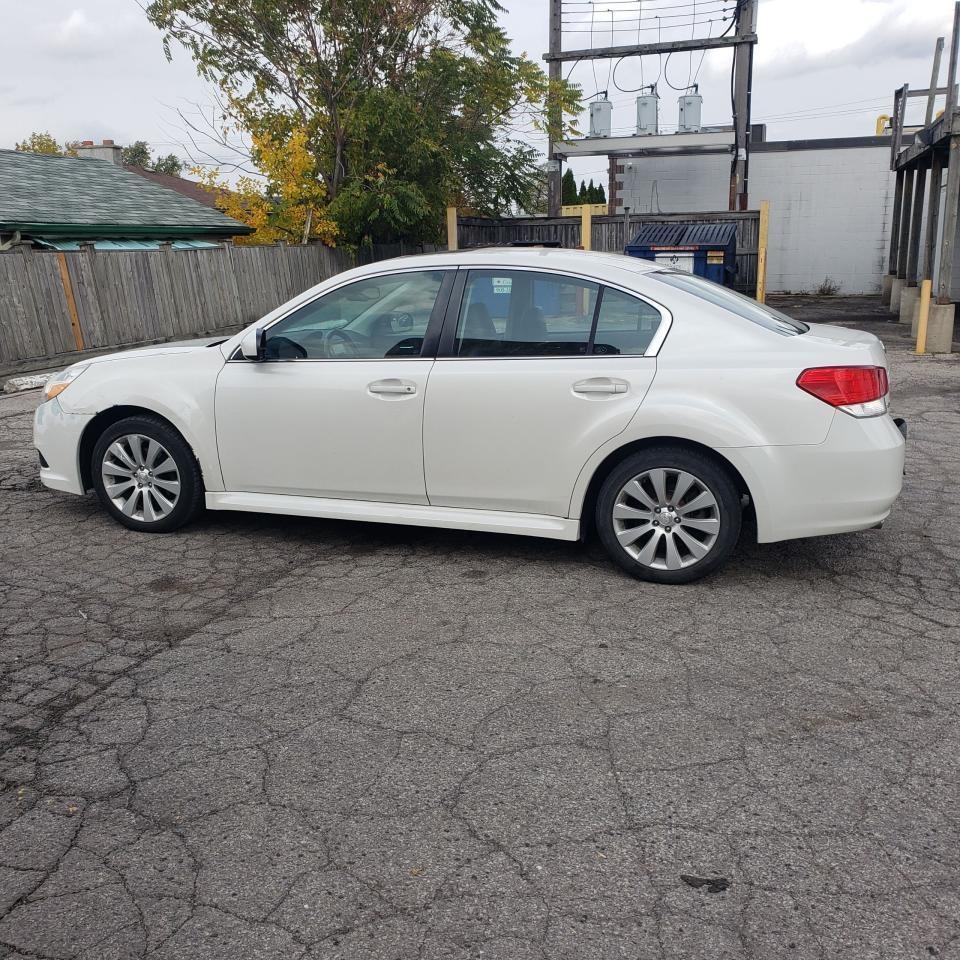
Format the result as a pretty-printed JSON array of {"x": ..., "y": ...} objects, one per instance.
[{"x": 454, "y": 518}]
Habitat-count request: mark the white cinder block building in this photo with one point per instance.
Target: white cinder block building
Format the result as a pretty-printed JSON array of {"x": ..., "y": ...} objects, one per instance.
[{"x": 831, "y": 204}]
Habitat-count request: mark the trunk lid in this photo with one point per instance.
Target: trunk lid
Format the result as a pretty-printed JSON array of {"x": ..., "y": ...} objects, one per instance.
[{"x": 845, "y": 346}]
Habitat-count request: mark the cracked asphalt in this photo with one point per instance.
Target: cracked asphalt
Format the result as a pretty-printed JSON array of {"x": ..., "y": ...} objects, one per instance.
[{"x": 268, "y": 737}]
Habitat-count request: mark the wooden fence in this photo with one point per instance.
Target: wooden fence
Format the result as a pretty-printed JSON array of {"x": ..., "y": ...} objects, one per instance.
[
  {"x": 55, "y": 303},
  {"x": 612, "y": 234}
]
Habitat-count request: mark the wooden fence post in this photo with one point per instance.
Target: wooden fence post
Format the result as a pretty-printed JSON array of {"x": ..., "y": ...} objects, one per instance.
[
  {"x": 71, "y": 300},
  {"x": 586, "y": 226},
  {"x": 762, "y": 251}
]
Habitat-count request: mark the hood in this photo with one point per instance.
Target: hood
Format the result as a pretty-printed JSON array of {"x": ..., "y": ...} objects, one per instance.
[{"x": 179, "y": 346}]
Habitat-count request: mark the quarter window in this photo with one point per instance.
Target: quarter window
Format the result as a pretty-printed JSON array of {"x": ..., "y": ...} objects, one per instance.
[
  {"x": 625, "y": 324},
  {"x": 521, "y": 313},
  {"x": 372, "y": 319}
]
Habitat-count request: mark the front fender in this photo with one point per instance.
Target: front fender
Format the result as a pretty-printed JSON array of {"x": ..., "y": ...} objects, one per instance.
[{"x": 178, "y": 387}]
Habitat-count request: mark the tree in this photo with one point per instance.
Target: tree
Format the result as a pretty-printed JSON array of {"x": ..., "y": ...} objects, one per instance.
[
  {"x": 137, "y": 154},
  {"x": 568, "y": 189},
  {"x": 582, "y": 195},
  {"x": 45, "y": 143},
  {"x": 288, "y": 206},
  {"x": 170, "y": 164},
  {"x": 601, "y": 194},
  {"x": 406, "y": 107}
]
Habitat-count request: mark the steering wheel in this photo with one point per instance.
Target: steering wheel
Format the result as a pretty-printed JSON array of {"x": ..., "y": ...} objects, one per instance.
[{"x": 342, "y": 342}]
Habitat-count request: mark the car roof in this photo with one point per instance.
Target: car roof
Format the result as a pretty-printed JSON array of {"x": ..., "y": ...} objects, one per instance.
[{"x": 553, "y": 258}]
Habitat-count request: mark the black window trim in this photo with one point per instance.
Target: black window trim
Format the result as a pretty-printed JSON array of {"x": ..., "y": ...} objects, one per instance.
[
  {"x": 447, "y": 344},
  {"x": 430, "y": 337}
]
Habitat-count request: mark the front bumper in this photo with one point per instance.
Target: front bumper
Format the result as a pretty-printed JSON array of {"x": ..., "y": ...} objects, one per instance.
[
  {"x": 849, "y": 482},
  {"x": 56, "y": 435}
]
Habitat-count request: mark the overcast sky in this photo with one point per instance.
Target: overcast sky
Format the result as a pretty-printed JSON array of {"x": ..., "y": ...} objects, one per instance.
[{"x": 89, "y": 69}]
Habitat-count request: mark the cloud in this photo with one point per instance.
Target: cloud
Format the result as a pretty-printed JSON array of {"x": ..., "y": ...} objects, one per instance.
[
  {"x": 895, "y": 39},
  {"x": 78, "y": 37}
]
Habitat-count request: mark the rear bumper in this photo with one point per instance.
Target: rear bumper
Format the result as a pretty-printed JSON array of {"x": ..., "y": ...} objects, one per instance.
[
  {"x": 56, "y": 435},
  {"x": 849, "y": 482}
]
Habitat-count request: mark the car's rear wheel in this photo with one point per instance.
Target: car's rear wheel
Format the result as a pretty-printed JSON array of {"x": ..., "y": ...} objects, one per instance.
[
  {"x": 146, "y": 476},
  {"x": 669, "y": 514}
]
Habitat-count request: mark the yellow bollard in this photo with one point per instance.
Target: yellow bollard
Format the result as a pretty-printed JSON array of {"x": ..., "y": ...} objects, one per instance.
[
  {"x": 922, "y": 316},
  {"x": 452, "y": 228},
  {"x": 586, "y": 226},
  {"x": 762, "y": 251}
]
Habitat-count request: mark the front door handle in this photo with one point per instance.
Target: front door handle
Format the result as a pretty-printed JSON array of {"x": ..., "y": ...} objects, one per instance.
[
  {"x": 397, "y": 387},
  {"x": 600, "y": 385}
]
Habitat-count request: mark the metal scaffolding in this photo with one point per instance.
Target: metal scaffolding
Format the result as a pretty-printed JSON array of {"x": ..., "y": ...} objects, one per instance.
[{"x": 921, "y": 247}]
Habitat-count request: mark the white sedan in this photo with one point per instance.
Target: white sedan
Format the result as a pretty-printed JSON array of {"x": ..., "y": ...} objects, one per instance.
[{"x": 524, "y": 391}]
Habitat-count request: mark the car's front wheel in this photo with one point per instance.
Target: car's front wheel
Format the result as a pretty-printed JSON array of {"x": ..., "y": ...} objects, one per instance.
[
  {"x": 669, "y": 514},
  {"x": 146, "y": 475}
]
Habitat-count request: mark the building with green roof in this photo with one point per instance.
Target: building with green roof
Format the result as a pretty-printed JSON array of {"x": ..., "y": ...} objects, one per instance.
[{"x": 59, "y": 201}]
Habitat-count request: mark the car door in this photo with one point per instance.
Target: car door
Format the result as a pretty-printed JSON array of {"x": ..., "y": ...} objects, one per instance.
[
  {"x": 336, "y": 407},
  {"x": 535, "y": 371}
]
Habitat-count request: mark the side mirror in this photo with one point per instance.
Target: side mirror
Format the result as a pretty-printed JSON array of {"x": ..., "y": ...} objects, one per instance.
[{"x": 254, "y": 344}]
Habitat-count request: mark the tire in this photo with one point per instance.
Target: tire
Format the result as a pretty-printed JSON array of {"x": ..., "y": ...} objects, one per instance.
[
  {"x": 146, "y": 475},
  {"x": 692, "y": 537}
]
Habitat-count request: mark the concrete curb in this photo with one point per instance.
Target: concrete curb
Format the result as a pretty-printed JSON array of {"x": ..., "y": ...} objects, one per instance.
[{"x": 19, "y": 384}]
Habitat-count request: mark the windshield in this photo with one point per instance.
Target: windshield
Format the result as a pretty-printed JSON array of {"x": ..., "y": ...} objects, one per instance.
[{"x": 734, "y": 302}]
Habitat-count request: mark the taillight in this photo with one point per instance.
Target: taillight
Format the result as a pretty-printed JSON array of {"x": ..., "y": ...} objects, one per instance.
[{"x": 859, "y": 391}]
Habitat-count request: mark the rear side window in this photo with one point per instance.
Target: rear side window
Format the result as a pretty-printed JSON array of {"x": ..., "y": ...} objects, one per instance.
[
  {"x": 521, "y": 313},
  {"x": 734, "y": 302}
]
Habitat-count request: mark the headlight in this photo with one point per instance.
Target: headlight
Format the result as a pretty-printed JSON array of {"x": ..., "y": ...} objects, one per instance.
[{"x": 60, "y": 381}]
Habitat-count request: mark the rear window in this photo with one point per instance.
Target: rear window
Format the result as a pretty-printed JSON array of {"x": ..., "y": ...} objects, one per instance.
[{"x": 734, "y": 302}]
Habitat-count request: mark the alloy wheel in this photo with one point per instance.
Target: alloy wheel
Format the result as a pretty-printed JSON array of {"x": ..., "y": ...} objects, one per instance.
[
  {"x": 141, "y": 478},
  {"x": 666, "y": 518}
]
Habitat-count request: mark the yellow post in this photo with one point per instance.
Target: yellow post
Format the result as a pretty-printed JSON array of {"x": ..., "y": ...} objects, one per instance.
[
  {"x": 452, "y": 228},
  {"x": 586, "y": 219},
  {"x": 762, "y": 251},
  {"x": 922, "y": 316}
]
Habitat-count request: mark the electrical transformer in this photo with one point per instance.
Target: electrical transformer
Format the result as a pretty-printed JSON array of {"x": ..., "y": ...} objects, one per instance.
[
  {"x": 601, "y": 112},
  {"x": 647, "y": 115},
  {"x": 691, "y": 105}
]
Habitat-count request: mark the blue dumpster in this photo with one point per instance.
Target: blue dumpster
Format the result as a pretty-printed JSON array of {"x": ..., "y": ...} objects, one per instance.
[{"x": 706, "y": 249}]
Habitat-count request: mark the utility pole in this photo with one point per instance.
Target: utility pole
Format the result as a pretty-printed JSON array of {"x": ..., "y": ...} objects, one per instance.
[
  {"x": 742, "y": 87},
  {"x": 555, "y": 116},
  {"x": 741, "y": 41}
]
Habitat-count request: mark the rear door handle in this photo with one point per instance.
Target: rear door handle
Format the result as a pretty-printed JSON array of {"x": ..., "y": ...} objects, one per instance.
[
  {"x": 600, "y": 385},
  {"x": 401, "y": 387}
]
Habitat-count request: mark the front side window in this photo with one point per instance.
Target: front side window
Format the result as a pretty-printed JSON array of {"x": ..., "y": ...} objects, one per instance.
[
  {"x": 521, "y": 313},
  {"x": 374, "y": 318}
]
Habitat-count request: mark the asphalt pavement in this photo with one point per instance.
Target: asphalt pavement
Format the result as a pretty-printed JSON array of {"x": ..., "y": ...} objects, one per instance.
[{"x": 268, "y": 737}]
